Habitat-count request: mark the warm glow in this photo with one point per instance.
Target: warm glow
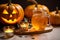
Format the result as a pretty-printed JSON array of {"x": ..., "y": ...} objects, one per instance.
[
  {"x": 9, "y": 30},
  {"x": 14, "y": 12},
  {"x": 10, "y": 20},
  {"x": 11, "y": 15},
  {"x": 5, "y": 12},
  {"x": 34, "y": 29},
  {"x": 23, "y": 25}
]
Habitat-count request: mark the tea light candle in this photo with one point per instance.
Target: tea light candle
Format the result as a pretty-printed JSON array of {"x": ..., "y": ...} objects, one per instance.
[
  {"x": 24, "y": 26},
  {"x": 8, "y": 32}
]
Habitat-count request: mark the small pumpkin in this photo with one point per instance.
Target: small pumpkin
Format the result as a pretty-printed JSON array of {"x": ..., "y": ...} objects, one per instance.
[
  {"x": 55, "y": 17},
  {"x": 11, "y": 13},
  {"x": 29, "y": 9}
]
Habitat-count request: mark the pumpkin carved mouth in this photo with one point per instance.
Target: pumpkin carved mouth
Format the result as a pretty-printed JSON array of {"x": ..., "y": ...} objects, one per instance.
[{"x": 10, "y": 20}]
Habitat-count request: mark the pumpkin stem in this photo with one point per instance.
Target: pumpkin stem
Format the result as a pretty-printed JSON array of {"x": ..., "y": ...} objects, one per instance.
[
  {"x": 56, "y": 10},
  {"x": 9, "y": 2},
  {"x": 34, "y": 1}
]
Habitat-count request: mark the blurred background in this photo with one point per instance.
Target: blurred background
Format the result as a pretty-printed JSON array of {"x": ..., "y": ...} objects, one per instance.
[{"x": 51, "y": 4}]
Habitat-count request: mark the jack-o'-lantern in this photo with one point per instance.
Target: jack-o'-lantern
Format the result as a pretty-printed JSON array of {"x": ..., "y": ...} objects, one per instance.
[
  {"x": 29, "y": 9},
  {"x": 55, "y": 17},
  {"x": 11, "y": 13}
]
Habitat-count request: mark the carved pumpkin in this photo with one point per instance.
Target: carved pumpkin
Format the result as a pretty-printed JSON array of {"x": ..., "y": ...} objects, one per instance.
[
  {"x": 11, "y": 13},
  {"x": 55, "y": 17},
  {"x": 29, "y": 9}
]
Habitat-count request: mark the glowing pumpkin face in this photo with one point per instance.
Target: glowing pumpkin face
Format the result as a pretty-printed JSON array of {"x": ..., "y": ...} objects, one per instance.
[
  {"x": 12, "y": 17},
  {"x": 11, "y": 14}
]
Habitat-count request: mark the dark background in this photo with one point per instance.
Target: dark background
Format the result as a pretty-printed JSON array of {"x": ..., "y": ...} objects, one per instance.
[{"x": 51, "y": 4}]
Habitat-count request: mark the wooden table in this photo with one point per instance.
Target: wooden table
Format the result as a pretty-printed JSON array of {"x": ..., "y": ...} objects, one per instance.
[{"x": 53, "y": 35}]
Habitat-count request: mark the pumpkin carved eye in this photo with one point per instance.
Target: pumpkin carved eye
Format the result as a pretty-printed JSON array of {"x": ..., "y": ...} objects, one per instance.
[
  {"x": 14, "y": 12},
  {"x": 5, "y": 11}
]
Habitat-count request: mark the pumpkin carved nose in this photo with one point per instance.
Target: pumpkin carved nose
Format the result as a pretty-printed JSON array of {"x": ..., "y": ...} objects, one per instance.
[{"x": 10, "y": 15}]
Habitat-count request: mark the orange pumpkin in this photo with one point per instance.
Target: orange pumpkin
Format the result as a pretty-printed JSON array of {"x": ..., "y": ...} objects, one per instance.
[
  {"x": 29, "y": 9},
  {"x": 11, "y": 13},
  {"x": 55, "y": 17}
]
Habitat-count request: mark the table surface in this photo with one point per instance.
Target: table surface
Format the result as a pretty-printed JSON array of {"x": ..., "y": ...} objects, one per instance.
[{"x": 53, "y": 35}]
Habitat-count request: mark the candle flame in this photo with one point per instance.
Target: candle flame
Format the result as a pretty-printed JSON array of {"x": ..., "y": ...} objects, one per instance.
[
  {"x": 23, "y": 25},
  {"x": 9, "y": 30}
]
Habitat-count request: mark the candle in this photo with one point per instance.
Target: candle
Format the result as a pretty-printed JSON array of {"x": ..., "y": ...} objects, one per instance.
[
  {"x": 24, "y": 26},
  {"x": 8, "y": 32}
]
